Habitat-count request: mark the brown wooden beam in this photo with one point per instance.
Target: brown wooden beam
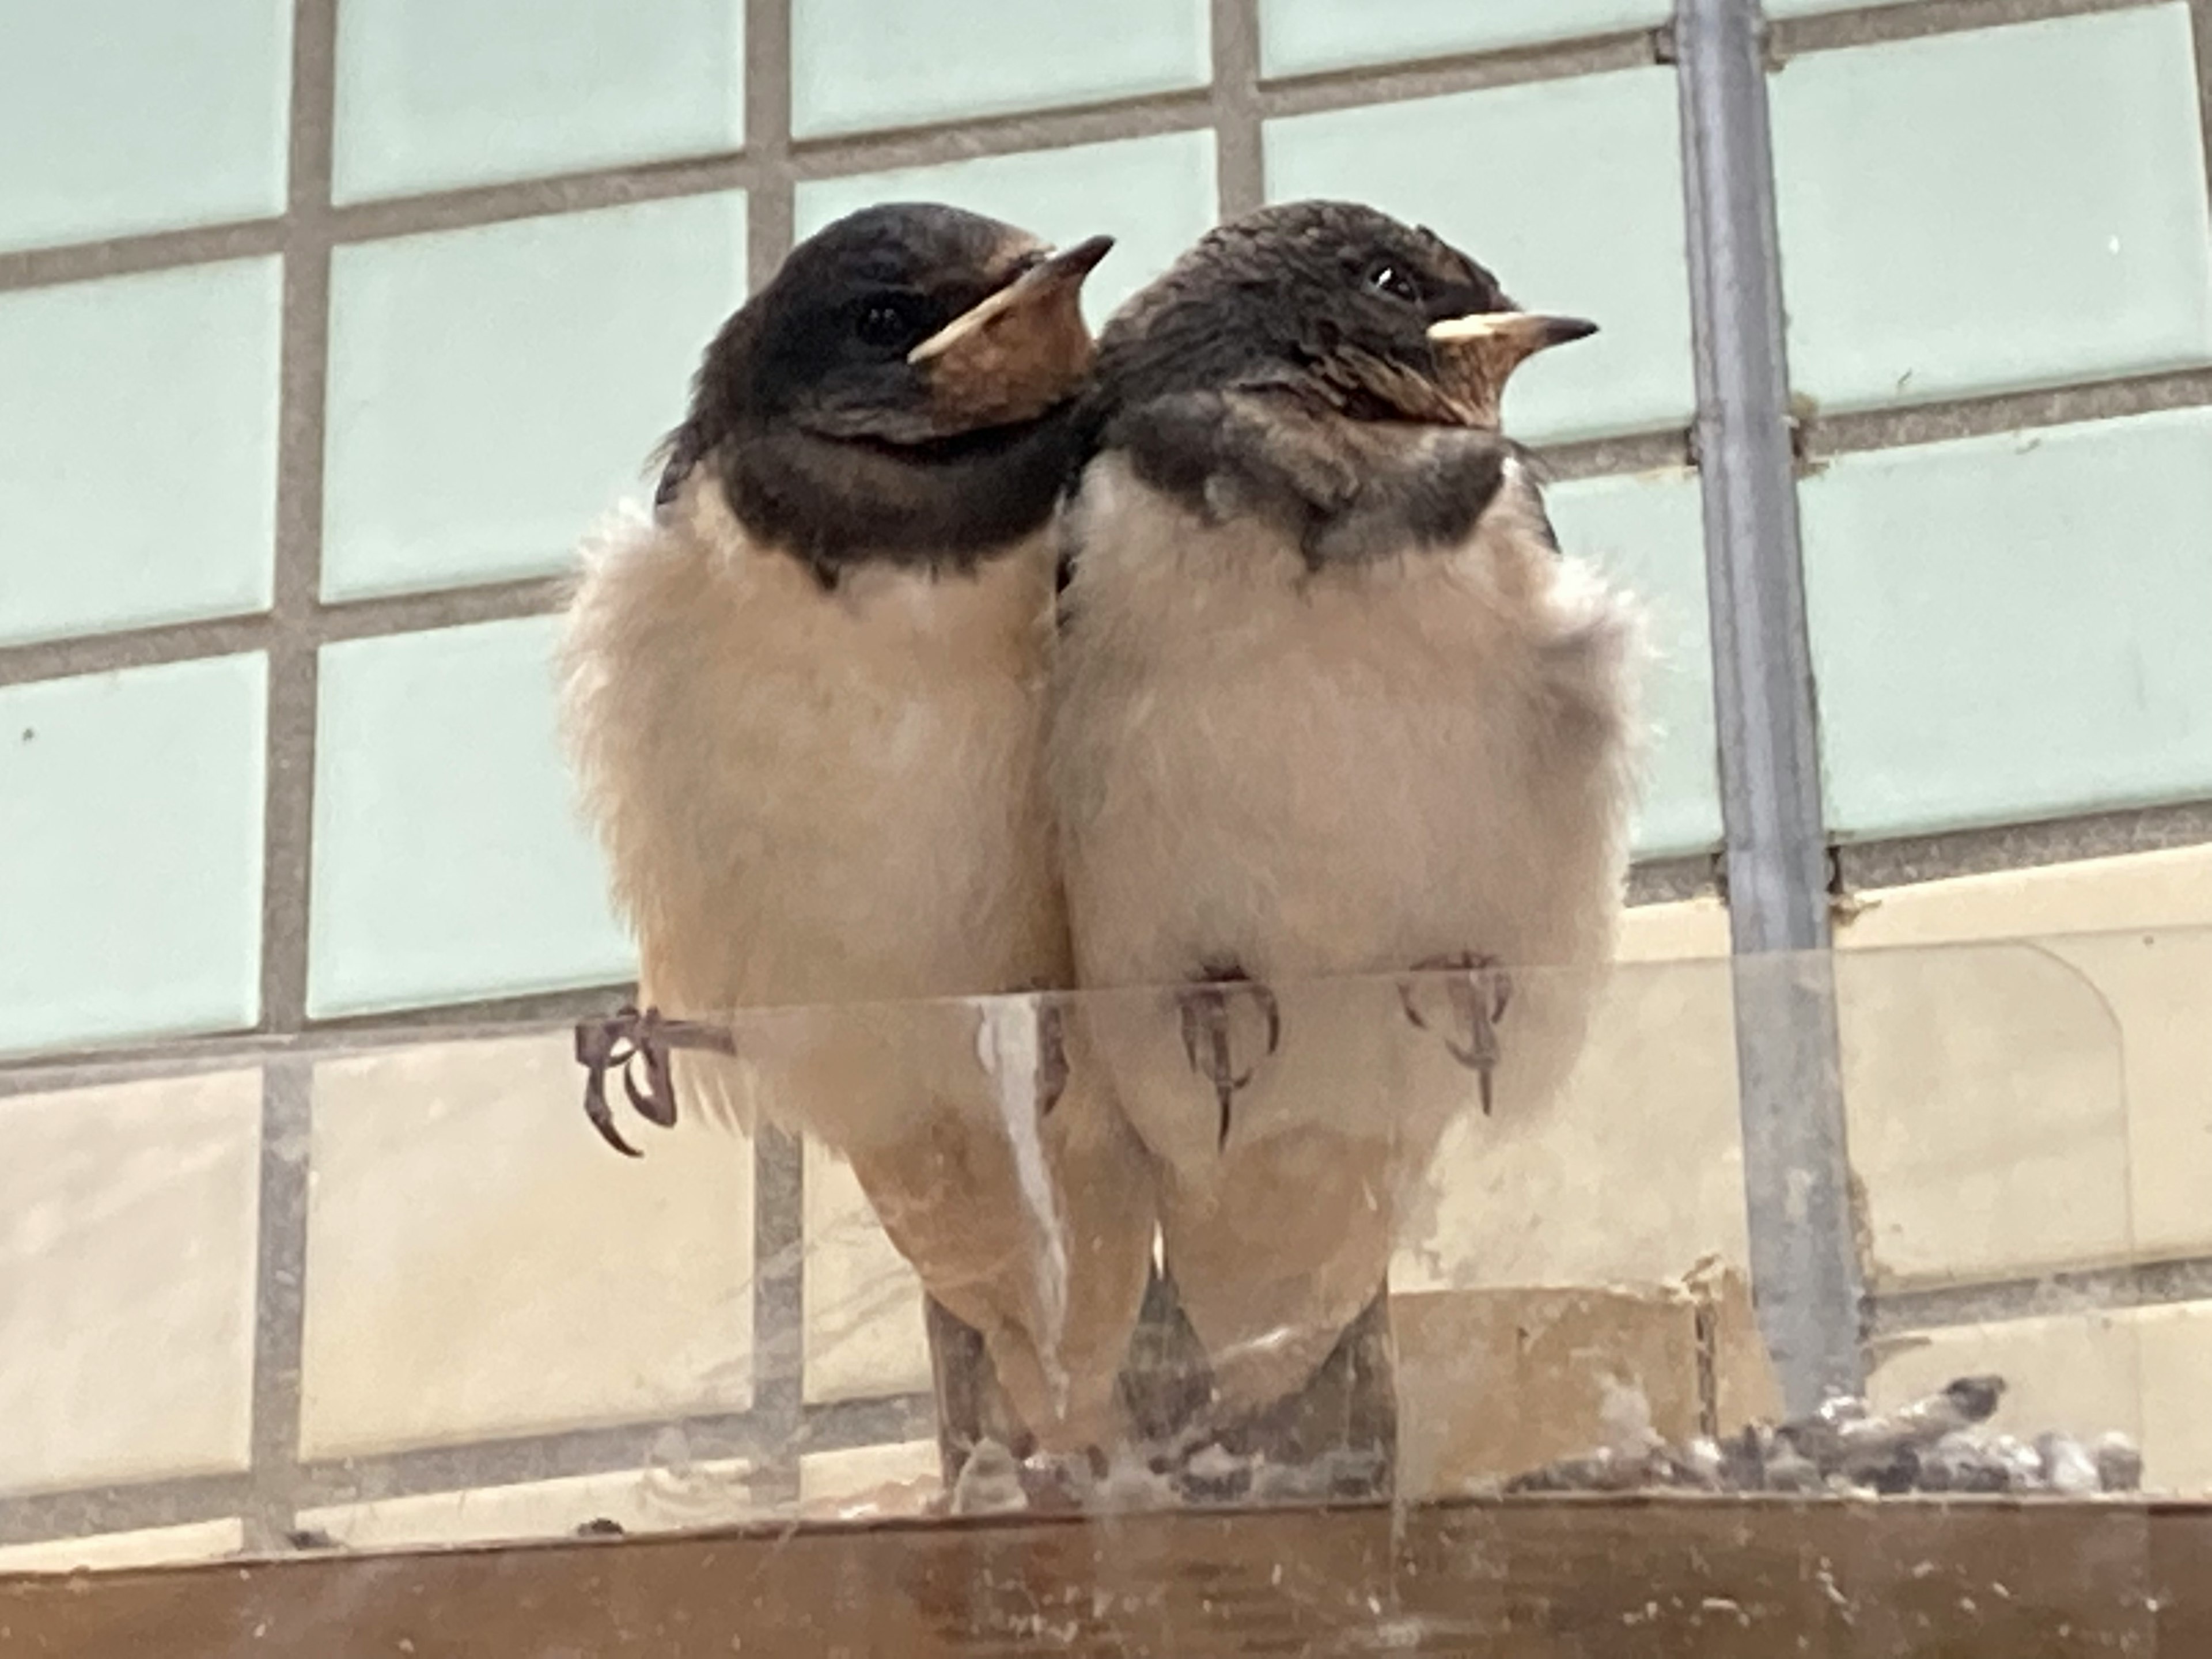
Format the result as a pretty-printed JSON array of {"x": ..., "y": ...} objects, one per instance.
[{"x": 1576, "y": 1579}]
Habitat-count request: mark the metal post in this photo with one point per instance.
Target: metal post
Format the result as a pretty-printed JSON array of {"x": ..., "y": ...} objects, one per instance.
[{"x": 1804, "y": 1257}]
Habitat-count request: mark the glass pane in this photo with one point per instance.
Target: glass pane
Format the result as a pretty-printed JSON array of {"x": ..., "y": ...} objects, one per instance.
[{"x": 1154, "y": 1227}]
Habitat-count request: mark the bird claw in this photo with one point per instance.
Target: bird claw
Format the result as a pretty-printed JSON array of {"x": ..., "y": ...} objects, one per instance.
[
  {"x": 623, "y": 1041},
  {"x": 1478, "y": 1001},
  {"x": 1206, "y": 1043}
]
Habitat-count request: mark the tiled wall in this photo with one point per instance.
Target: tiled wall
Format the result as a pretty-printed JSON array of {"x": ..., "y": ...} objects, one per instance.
[{"x": 327, "y": 326}]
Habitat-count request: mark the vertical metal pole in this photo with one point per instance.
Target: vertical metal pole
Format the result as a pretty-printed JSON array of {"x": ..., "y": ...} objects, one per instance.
[{"x": 1804, "y": 1257}]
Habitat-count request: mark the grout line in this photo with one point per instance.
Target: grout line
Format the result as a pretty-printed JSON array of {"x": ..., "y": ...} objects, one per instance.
[
  {"x": 778, "y": 1308},
  {"x": 778, "y": 1300},
  {"x": 768, "y": 210},
  {"x": 133, "y": 648},
  {"x": 525, "y": 1459},
  {"x": 89, "y": 1512},
  {"x": 1825, "y": 436},
  {"x": 1184, "y": 110},
  {"x": 1793, "y": 37},
  {"x": 1899, "y": 861},
  {"x": 287, "y": 1090},
  {"x": 531, "y": 199},
  {"x": 351, "y": 619},
  {"x": 127, "y": 256},
  {"x": 455, "y": 607},
  {"x": 542, "y": 1013},
  {"x": 2089, "y": 1290},
  {"x": 1334, "y": 89},
  {"x": 614, "y": 1449},
  {"x": 1240, "y": 183},
  {"x": 288, "y": 829},
  {"x": 291, "y": 642},
  {"x": 1599, "y": 458},
  {"x": 279, "y": 1302},
  {"x": 1669, "y": 881}
]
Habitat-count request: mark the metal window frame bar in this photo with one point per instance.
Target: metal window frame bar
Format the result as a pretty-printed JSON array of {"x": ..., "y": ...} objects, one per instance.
[
  {"x": 1804, "y": 1255},
  {"x": 1777, "y": 872}
]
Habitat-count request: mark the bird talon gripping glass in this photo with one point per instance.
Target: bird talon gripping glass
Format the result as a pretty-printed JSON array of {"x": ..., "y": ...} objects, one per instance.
[
  {"x": 1204, "y": 1015},
  {"x": 621, "y": 1040},
  {"x": 1478, "y": 1001}
]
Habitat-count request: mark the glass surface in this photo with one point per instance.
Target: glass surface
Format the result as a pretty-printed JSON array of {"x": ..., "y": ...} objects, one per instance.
[
  {"x": 111, "y": 928},
  {"x": 451, "y": 860},
  {"x": 512, "y": 1331},
  {"x": 2012, "y": 681},
  {"x": 128, "y": 499},
  {"x": 494, "y": 391}
]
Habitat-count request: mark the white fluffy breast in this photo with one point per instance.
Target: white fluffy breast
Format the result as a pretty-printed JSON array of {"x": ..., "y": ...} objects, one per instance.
[
  {"x": 1340, "y": 771},
  {"x": 813, "y": 797},
  {"x": 1303, "y": 773}
]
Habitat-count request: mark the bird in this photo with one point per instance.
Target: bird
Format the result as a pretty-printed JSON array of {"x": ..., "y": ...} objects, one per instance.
[
  {"x": 1342, "y": 752},
  {"x": 804, "y": 694}
]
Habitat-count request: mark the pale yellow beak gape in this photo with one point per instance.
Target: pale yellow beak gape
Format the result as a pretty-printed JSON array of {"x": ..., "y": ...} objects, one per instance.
[
  {"x": 1478, "y": 354},
  {"x": 1020, "y": 351}
]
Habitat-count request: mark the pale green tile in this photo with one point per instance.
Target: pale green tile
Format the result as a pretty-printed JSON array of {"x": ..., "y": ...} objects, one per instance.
[
  {"x": 130, "y": 497},
  {"x": 857, "y": 64},
  {"x": 493, "y": 391},
  {"x": 1154, "y": 195},
  {"x": 131, "y": 853},
  {"x": 2012, "y": 628},
  {"x": 450, "y": 861},
  {"x": 1571, "y": 192},
  {"x": 433, "y": 94},
  {"x": 126, "y": 1289},
  {"x": 1302, "y": 37},
  {"x": 1995, "y": 209},
  {"x": 119, "y": 116},
  {"x": 1647, "y": 531}
]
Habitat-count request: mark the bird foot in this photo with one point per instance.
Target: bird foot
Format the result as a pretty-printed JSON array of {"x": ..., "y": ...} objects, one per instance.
[
  {"x": 1206, "y": 1008},
  {"x": 626, "y": 1041},
  {"x": 1478, "y": 1002}
]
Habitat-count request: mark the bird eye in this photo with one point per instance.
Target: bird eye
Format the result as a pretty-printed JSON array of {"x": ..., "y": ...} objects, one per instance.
[
  {"x": 1387, "y": 278},
  {"x": 889, "y": 324}
]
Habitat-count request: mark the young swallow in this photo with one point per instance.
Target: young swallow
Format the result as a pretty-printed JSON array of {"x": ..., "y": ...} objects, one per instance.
[
  {"x": 805, "y": 698},
  {"x": 1329, "y": 702}
]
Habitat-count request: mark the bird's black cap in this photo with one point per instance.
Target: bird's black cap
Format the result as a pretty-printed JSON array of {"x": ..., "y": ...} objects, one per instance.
[{"x": 903, "y": 389}]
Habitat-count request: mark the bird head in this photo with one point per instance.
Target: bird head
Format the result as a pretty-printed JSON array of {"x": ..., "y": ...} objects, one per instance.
[
  {"x": 903, "y": 389},
  {"x": 1337, "y": 303}
]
